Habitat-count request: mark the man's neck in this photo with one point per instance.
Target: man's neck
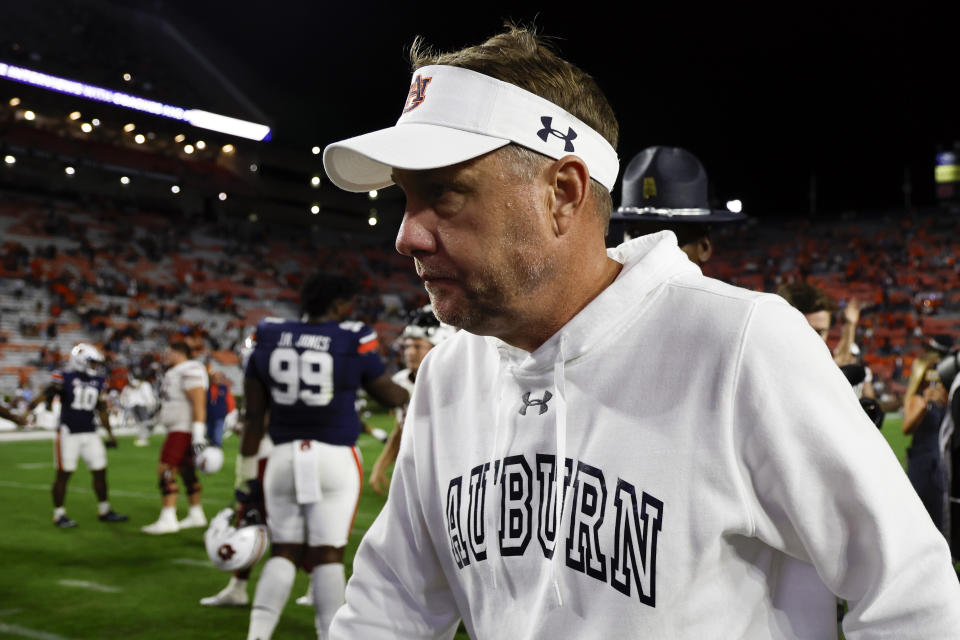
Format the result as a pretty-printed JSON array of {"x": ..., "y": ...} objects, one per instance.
[{"x": 558, "y": 304}]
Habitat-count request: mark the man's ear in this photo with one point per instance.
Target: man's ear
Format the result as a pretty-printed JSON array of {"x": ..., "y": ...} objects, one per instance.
[
  {"x": 704, "y": 249},
  {"x": 699, "y": 250},
  {"x": 570, "y": 186}
]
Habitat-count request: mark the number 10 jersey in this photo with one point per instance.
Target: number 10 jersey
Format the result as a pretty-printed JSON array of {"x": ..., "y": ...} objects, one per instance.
[
  {"x": 311, "y": 373},
  {"x": 79, "y": 396}
]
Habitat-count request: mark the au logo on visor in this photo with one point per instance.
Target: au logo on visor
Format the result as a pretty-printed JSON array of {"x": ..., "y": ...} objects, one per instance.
[
  {"x": 548, "y": 131},
  {"x": 418, "y": 93}
]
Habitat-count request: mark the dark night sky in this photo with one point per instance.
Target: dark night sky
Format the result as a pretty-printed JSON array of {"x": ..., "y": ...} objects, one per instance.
[{"x": 765, "y": 97}]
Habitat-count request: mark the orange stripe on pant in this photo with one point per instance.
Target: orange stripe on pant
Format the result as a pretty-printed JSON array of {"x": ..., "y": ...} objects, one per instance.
[{"x": 356, "y": 458}]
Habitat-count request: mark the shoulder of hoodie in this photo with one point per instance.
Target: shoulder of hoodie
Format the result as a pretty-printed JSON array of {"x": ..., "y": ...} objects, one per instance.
[
  {"x": 737, "y": 303},
  {"x": 689, "y": 280},
  {"x": 772, "y": 321}
]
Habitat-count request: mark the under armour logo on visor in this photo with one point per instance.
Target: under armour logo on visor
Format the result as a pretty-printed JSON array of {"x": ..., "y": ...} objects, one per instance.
[
  {"x": 418, "y": 93},
  {"x": 548, "y": 131},
  {"x": 542, "y": 403}
]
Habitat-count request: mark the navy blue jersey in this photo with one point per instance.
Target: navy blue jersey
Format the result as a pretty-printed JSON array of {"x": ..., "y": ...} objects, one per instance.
[
  {"x": 79, "y": 396},
  {"x": 312, "y": 373}
]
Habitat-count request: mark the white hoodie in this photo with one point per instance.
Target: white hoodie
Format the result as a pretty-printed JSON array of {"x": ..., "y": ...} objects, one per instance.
[{"x": 720, "y": 473}]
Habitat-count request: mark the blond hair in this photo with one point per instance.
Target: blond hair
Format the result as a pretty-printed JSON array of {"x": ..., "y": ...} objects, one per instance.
[{"x": 523, "y": 58}]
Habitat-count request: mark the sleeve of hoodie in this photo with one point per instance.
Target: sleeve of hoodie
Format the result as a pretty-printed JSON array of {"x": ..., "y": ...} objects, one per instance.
[
  {"x": 398, "y": 589},
  {"x": 822, "y": 485}
]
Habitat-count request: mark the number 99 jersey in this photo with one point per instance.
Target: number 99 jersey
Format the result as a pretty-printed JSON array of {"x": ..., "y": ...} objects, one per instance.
[{"x": 311, "y": 373}]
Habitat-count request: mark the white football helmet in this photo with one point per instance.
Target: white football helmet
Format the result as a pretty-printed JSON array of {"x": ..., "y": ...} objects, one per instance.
[
  {"x": 86, "y": 358},
  {"x": 210, "y": 460},
  {"x": 423, "y": 324},
  {"x": 246, "y": 348},
  {"x": 232, "y": 549}
]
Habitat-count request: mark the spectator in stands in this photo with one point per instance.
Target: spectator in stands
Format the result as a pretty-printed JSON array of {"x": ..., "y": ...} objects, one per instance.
[{"x": 924, "y": 408}]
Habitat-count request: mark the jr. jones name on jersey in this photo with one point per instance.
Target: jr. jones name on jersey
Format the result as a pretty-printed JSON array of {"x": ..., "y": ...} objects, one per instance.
[{"x": 632, "y": 565}]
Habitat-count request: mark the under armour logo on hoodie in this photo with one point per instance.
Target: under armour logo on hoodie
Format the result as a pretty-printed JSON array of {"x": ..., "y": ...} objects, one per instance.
[{"x": 527, "y": 402}]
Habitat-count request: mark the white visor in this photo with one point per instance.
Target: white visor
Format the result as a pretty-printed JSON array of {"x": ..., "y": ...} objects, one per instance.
[{"x": 452, "y": 115}]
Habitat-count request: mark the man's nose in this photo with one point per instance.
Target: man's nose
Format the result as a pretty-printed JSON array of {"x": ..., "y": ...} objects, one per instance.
[{"x": 416, "y": 234}]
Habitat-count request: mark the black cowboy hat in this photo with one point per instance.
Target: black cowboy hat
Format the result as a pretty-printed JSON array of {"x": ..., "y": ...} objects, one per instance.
[{"x": 668, "y": 184}]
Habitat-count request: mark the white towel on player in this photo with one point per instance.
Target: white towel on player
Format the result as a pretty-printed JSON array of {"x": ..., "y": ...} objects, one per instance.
[{"x": 306, "y": 471}]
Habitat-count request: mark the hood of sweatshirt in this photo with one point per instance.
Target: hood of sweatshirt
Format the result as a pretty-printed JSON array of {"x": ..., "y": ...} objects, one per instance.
[{"x": 648, "y": 261}]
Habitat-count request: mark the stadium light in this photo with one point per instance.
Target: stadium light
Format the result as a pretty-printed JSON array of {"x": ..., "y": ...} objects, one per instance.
[
  {"x": 315, "y": 181},
  {"x": 139, "y": 138},
  {"x": 253, "y": 168},
  {"x": 315, "y": 151},
  {"x": 9, "y": 159},
  {"x": 179, "y": 137},
  {"x": 315, "y": 209},
  {"x": 95, "y": 122},
  {"x": 201, "y": 144},
  {"x": 124, "y": 180},
  {"x": 253, "y": 217},
  {"x": 734, "y": 206},
  {"x": 188, "y": 148},
  {"x": 222, "y": 196},
  {"x": 228, "y": 148},
  {"x": 129, "y": 127},
  {"x": 69, "y": 171},
  {"x": 127, "y": 77},
  {"x": 86, "y": 127},
  {"x": 373, "y": 194},
  {"x": 14, "y": 102},
  {"x": 175, "y": 189},
  {"x": 372, "y": 220},
  {"x": 196, "y": 117},
  {"x": 29, "y": 115},
  {"x": 75, "y": 115}
]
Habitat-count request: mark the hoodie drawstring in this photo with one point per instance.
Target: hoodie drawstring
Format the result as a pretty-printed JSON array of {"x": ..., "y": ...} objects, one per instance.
[
  {"x": 488, "y": 509},
  {"x": 560, "y": 464}
]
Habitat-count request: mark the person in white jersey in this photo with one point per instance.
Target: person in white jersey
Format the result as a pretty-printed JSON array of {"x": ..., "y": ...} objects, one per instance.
[{"x": 183, "y": 412}]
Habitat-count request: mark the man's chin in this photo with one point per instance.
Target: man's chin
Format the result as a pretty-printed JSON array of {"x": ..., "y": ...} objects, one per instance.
[{"x": 450, "y": 306}]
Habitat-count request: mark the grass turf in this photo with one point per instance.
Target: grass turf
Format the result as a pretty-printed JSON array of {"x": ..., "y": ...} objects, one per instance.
[{"x": 103, "y": 580}]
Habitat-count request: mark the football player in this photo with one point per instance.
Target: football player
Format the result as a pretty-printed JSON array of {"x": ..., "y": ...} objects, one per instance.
[
  {"x": 81, "y": 390},
  {"x": 307, "y": 375},
  {"x": 422, "y": 334},
  {"x": 183, "y": 411}
]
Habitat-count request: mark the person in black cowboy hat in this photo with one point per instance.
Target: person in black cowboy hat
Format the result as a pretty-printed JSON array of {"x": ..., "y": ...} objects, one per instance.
[{"x": 665, "y": 188}]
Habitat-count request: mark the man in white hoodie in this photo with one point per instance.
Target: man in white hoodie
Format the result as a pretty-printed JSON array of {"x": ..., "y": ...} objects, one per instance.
[{"x": 699, "y": 435}]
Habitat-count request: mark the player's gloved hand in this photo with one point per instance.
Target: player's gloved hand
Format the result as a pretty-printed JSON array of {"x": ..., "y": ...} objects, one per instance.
[
  {"x": 199, "y": 430},
  {"x": 251, "y": 494},
  {"x": 199, "y": 446},
  {"x": 111, "y": 443}
]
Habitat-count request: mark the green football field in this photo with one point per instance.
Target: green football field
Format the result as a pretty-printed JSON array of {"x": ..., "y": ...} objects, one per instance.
[{"x": 112, "y": 581}]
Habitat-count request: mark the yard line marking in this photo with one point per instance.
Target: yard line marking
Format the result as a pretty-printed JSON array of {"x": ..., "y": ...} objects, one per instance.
[
  {"x": 193, "y": 563},
  {"x": 34, "y": 465},
  {"x": 46, "y": 487},
  {"x": 93, "y": 586},
  {"x": 24, "y": 632}
]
